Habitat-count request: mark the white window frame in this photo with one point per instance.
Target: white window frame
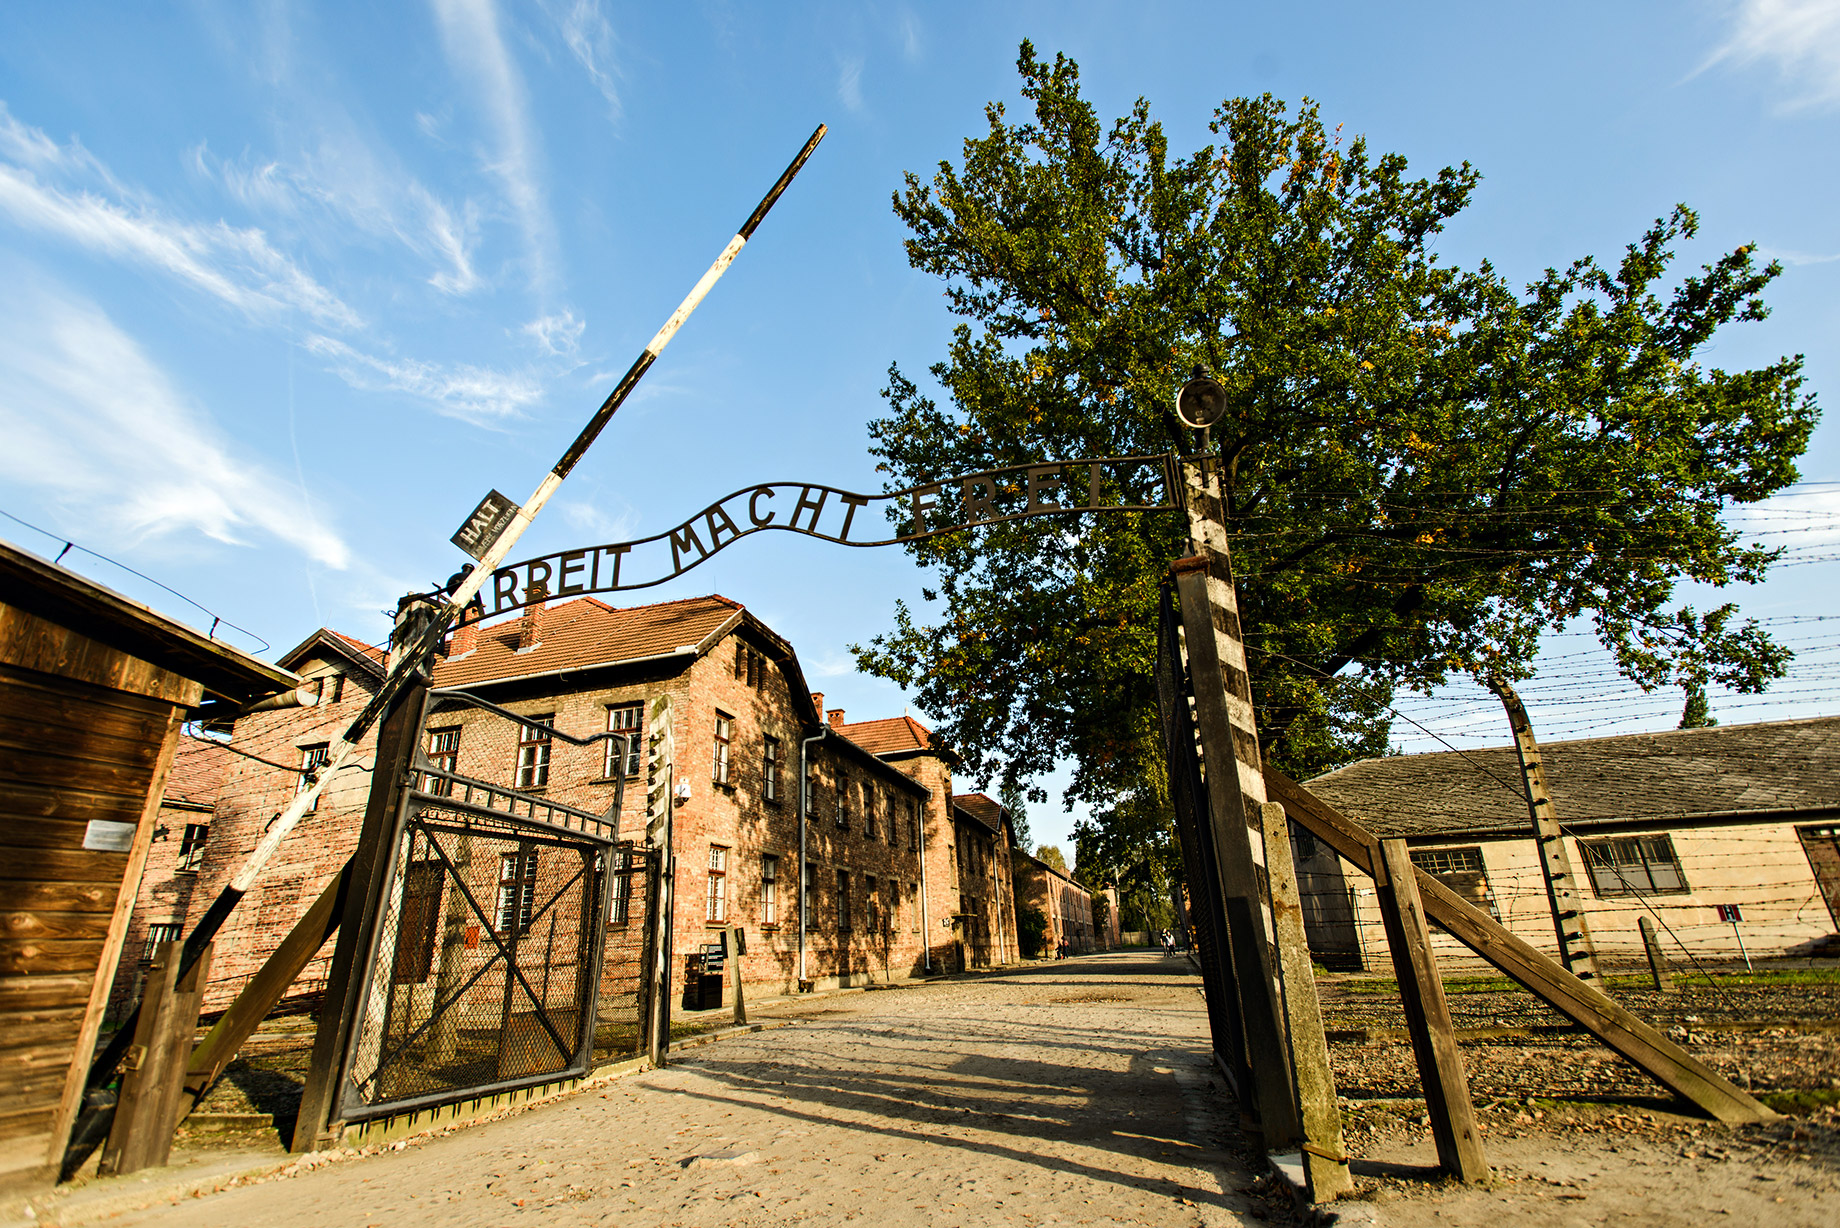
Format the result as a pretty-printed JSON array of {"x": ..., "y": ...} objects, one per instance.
[{"x": 533, "y": 752}]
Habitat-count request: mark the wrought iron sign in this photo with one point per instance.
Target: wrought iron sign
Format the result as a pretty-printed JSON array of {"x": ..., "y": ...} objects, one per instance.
[{"x": 993, "y": 496}]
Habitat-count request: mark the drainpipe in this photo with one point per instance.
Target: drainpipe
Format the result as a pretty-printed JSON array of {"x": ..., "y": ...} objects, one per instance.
[
  {"x": 926, "y": 924},
  {"x": 804, "y": 809}
]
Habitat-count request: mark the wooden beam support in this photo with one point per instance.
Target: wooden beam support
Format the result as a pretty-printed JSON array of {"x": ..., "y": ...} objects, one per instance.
[
  {"x": 141, "y": 1135},
  {"x": 263, "y": 992},
  {"x": 1662, "y": 1060},
  {"x": 1434, "y": 1041},
  {"x": 398, "y": 738},
  {"x": 1325, "y": 1155}
]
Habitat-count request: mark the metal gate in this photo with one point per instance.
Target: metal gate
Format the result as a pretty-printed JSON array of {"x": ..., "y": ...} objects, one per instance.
[{"x": 486, "y": 971}]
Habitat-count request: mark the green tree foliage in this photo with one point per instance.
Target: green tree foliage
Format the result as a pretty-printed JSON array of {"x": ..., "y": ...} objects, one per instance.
[
  {"x": 1032, "y": 931},
  {"x": 1425, "y": 468},
  {"x": 1014, "y": 798},
  {"x": 1051, "y": 855}
]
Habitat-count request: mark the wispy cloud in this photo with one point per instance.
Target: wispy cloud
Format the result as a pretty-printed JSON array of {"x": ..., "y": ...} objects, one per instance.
[
  {"x": 477, "y": 394},
  {"x": 849, "y": 82},
  {"x": 236, "y": 265},
  {"x": 908, "y": 26},
  {"x": 558, "y": 334},
  {"x": 344, "y": 183},
  {"x": 589, "y": 37},
  {"x": 1800, "y": 39},
  {"x": 587, "y": 517},
  {"x": 89, "y": 417},
  {"x": 476, "y": 51},
  {"x": 1790, "y": 257},
  {"x": 1799, "y": 518}
]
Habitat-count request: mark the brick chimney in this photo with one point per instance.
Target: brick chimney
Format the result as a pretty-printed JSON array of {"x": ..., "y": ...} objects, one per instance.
[
  {"x": 463, "y": 639},
  {"x": 835, "y": 716},
  {"x": 530, "y": 623},
  {"x": 817, "y": 701}
]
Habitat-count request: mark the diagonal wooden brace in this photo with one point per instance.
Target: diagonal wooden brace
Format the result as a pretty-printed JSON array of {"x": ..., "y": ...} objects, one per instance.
[{"x": 1662, "y": 1060}]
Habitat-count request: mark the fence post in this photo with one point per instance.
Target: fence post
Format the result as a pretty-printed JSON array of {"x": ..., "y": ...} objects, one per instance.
[
  {"x": 1434, "y": 1041},
  {"x": 1325, "y": 1157},
  {"x": 142, "y": 1133},
  {"x": 398, "y": 739},
  {"x": 1657, "y": 962},
  {"x": 1576, "y": 951}
]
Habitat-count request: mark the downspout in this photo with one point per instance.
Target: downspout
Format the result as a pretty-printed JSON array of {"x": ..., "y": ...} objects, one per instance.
[
  {"x": 926, "y": 924},
  {"x": 804, "y": 809}
]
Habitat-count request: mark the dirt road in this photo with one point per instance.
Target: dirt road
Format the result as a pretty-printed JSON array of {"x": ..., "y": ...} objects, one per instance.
[{"x": 1071, "y": 1093}]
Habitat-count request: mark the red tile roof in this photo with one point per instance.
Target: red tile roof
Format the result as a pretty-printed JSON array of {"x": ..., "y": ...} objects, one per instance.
[
  {"x": 197, "y": 772},
  {"x": 370, "y": 650},
  {"x": 889, "y": 736},
  {"x": 986, "y": 810},
  {"x": 582, "y": 634}
]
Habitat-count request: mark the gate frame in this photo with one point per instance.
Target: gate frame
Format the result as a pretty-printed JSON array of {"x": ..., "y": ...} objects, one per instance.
[{"x": 348, "y": 1108}]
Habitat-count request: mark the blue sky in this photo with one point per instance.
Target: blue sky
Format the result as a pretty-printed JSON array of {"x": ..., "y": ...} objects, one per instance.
[{"x": 289, "y": 287}]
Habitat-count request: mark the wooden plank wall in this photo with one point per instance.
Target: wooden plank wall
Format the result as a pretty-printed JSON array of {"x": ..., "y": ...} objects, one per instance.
[{"x": 86, "y": 733}]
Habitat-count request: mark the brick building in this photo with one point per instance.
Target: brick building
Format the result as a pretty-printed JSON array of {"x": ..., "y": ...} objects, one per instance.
[
  {"x": 899, "y": 881},
  {"x": 970, "y": 898},
  {"x": 174, "y": 855},
  {"x": 1065, "y": 904}
]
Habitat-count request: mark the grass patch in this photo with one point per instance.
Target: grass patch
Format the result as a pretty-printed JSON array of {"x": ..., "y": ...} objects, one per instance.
[{"x": 1798, "y": 1104}]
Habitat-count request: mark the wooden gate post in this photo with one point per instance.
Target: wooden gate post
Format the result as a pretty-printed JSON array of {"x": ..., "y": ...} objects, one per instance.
[
  {"x": 1325, "y": 1156},
  {"x": 1575, "y": 949},
  {"x": 1657, "y": 962},
  {"x": 142, "y": 1133},
  {"x": 398, "y": 739},
  {"x": 1434, "y": 1041},
  {"x": 1234, "y": 774}
]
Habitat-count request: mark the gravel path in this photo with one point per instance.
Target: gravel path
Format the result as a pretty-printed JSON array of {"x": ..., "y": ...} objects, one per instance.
[{"x": 1070, "y": 1093}]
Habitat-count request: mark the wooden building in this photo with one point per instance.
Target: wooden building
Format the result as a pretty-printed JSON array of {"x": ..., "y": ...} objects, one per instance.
[
  {"x": 93, "y": 689},
  {"x": 1725, "y": 837}
]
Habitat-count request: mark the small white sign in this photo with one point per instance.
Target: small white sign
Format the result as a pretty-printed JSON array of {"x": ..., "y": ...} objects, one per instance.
[{"x": 104, "y": 836}]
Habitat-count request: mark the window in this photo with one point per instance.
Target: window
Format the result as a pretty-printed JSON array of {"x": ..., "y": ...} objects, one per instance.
[
  {"x": 716, "y": 909},
  {"x": 619, "y": 908},
  {"x": 872, "y": 902},
  {"x": 750, "y": 666},
  {"x": 725, "y": 730},
  {"x": 913, "y": 825},
  {"x": 517, "y": 891},
  {"x": 158, "y": 932},
  {"x": 1462, "y": 870},
  {"x": 843, "y": 803},
  {"x": 533, "y": 752},
  {"x": 869, "y": 824},
  {"x": 769, "y": 771},
  {"x": 769, "y": 890},
  {"x": 1633, "y": 865},
  {"x": 444, "y": 753},
  {"x": 843, "y": 901},
  {"x": 628, "y": 719},
  {"x": 191, "y": 848},
  {"x": 312, "y": 758}
]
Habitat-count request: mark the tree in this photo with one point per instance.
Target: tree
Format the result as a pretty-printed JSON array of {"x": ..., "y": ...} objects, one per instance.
[
  {"x": 1050, "y": 855},
  {"x": 1697, "y": 713},
  {"x": 1425, "y": 470},
  {"x": 1014, "y": 798}
]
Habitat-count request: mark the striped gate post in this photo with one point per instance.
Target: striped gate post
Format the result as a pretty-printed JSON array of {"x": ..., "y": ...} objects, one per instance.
[{"x": 1234, "y": 773}]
